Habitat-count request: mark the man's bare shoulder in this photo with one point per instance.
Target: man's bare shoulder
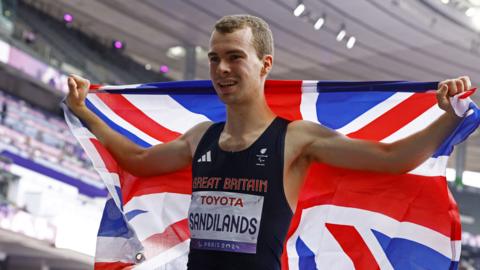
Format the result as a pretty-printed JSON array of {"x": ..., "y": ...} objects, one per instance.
[
  {"x": 305, "y": 128},
  {"x": 199, "y": 128},
  {"x": 306, "y": 139},
  {"x": 194, "y": 134},
  {"x": 299, "y": 134},
  {"x": 302, "y": 134}
]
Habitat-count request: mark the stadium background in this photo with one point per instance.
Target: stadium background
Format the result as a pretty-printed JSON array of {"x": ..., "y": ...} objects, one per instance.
[{"x": 51, "y": 200}]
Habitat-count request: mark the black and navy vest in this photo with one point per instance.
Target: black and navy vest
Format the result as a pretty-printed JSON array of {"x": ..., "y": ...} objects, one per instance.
[{"x": 239, "y": 215}]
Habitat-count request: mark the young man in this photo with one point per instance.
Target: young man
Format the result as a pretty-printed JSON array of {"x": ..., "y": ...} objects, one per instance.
[{"x": 258, "y": 161}]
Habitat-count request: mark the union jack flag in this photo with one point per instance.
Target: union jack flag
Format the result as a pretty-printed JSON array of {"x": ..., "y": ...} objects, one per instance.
[{"x": 345, "y": 219}]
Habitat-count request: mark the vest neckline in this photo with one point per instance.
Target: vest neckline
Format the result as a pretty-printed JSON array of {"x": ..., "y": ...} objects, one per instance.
[{"x": 248, "y": 147}]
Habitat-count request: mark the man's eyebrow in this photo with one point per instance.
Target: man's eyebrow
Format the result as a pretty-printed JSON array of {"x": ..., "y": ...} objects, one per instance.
[
  {"x": 235, "y": 51},
  {"x": 228, "y": 52}
]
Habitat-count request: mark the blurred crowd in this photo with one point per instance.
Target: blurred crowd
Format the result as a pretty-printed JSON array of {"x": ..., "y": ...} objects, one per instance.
[{"x": 42, "y": 137}]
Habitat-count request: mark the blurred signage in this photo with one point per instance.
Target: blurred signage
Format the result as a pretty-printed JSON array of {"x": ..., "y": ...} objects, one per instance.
[
  {"x": 33, "y": 67},
  {"x": 19, "y": 221}
]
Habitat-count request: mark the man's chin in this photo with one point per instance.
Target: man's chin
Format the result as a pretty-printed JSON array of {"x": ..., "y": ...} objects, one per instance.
[
  {"x": 229, "y": 98},
  {"x": 227, "y": 90},
  {"x": 226, "y": 98}
]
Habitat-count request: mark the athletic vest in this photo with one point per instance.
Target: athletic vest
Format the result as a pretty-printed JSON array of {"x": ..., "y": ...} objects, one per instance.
[{"x": 239, "y": 215}]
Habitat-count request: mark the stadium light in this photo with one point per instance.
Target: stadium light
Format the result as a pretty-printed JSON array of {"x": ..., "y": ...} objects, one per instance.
[
  {"x": 67, "y": 17},
  {"x": 299, "y": 10},
  {"x": 351, "y": 42},
  {"x": 319, "y": 23},
  {"x": 476, "y": 21},
  {"x": 341, "y": 34},
  {"x": 164, "y": 69},
  {"x": 119, "y": 45},
  {"x": 470, "y": 12},
  {"x": 176, "y": 52}
]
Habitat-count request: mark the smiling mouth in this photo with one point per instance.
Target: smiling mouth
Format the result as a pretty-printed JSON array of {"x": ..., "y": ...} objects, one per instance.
[{"x": 226, "y": 84}]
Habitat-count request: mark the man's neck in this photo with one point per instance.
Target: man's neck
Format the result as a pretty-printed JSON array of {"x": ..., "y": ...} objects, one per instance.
[{"x": 242, "y": 120}]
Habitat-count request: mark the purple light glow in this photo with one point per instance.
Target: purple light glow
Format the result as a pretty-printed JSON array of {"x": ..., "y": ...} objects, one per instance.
[
  {"x": 68, "y": 17},
  {"x": 117, "y": 44},
  {"x": 164, "y": 69}
]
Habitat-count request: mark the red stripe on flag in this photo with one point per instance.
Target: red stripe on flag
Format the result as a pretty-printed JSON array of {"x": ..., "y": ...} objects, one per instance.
[
  {"x": 284, "y": 258},
  {"x": 110, "y": 163},
  {"x": 284, "y": 98},
  {"x": 129, "y": 112},
  {"x": 418, "y": 199},
  {"x": 354, "y": 246},
  {"x": 95, "y": 86},
  {"x": 456, "y": 233},
  {"x": 396, "y": 118},
  {"x": 113, "y": 266},
  {"x": 176, "y": 182},
  {"x": 468, "y": 93},
  {"x": 173, "y": 235}
]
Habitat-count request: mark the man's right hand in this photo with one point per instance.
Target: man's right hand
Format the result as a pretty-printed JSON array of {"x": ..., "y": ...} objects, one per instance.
[{"x": 77, "y": 92}]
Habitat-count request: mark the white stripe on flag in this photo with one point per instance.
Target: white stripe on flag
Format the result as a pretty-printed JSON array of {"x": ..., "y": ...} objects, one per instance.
[
  {"x": 331, "y": 253},
  {"x": 119, "y": 87},
  {"x": 111, "y": 180},
  {"x": 375, "y": 247},
  {"x": 174, "y": 258},
  {"x": 432, "y": 167},
  {"x": 98, "y": 103},
  {"x": 456, "y": 249},
  {"x": 157, "y": 218},
  {"x": 115, "y": 249},
  {"x": 308, "y": 105},
  {"x": 375, "y": 112},
  {"x": 82, "y": 133},
  {"x": 172, "y": 115}
]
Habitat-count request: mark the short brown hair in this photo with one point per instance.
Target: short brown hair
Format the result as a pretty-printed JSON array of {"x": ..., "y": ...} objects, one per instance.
[{"x": 262, "y": 35}]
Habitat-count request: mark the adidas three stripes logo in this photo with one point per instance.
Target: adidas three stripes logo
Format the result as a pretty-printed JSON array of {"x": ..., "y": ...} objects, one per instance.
[{"x": 207, "y": 157}]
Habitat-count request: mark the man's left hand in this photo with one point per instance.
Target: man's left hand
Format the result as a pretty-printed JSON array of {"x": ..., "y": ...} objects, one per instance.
[{"x": 449, "y": 89}]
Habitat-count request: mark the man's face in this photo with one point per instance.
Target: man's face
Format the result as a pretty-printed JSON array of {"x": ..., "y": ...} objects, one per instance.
[{"x": 235, "y": 69}]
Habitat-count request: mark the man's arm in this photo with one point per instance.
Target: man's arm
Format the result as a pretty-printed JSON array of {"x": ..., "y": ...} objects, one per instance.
[
  {"x": 318, "y": 143},
  {"x": 158, "y": 159}
]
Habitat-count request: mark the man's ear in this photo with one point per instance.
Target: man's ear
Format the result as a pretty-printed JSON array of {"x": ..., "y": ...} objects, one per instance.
[{"x": 267, "y": 64}]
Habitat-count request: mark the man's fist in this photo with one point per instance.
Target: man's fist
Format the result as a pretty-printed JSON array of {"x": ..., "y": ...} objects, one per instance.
[
  {"x": 77, "y": 92},
  {"x": 452, "y": 95}
]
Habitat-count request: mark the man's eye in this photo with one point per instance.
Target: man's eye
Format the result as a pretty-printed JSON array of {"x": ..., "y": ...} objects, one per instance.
[
  {"x": 235, "y": 57},
  {"x": 213, "y": 59}
]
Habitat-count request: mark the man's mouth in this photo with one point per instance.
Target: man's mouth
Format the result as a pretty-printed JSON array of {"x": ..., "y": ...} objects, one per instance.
[{"x": 226, "y": 84}]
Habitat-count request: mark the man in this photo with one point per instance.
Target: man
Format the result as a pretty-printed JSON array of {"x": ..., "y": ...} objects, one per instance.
[{"x": 248, "y": 171}]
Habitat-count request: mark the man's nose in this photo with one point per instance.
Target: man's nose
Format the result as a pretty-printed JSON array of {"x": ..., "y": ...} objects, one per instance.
[{"x": 223, "y": 67}]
